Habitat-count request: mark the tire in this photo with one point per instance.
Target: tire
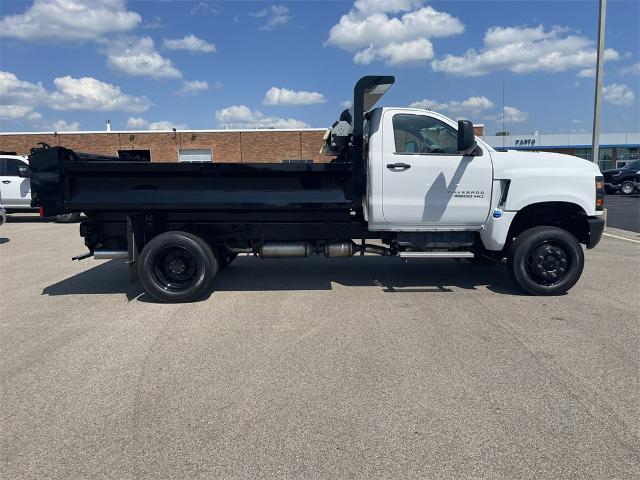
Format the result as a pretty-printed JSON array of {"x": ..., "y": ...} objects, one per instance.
[
  {"x": 225, "y": 258},
  {"x": 627, "y": 188},
  {"x": 67, "y": 218},
  {"x": 545, "y": 261},
  {"x": 177, "y": 267}
]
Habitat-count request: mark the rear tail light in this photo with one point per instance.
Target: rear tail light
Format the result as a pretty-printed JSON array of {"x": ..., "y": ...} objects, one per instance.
[
  {"x": 599, "y": 194},
  {"x": 41, "y": 212}
]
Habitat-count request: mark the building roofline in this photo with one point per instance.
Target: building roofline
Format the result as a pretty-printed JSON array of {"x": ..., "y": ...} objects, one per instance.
[{"x": 220, "y": 130}]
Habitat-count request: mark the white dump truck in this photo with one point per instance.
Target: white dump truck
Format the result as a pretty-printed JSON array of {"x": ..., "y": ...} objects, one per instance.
[{"x": 419, "y": 183}]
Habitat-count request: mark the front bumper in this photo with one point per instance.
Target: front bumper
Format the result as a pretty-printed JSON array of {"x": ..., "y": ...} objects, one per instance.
[
  {"x": 3, "y": 216},
  {"x": 596, "y": 227}
]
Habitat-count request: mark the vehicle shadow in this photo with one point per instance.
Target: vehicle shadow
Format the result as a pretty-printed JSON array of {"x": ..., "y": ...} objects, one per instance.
[{"x": 247, "y": 273}]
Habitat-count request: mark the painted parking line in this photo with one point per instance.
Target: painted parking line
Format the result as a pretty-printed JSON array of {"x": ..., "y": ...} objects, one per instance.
[{"x": 621, "y": 238}]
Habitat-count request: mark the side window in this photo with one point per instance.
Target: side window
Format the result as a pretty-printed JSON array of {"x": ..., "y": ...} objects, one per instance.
[
  {"x": 423, "y": 134},
  {"x": 11, "y": 167},
  {"x": 3, "y": 162}
]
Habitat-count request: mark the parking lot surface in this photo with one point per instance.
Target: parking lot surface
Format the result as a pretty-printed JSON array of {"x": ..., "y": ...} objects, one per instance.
[
  {"x": 623, "y": 212},
  {"x": 316, "y": 368}
]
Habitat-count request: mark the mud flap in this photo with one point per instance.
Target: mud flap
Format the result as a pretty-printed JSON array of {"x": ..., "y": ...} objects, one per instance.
[{"x": 135, "y": 243}]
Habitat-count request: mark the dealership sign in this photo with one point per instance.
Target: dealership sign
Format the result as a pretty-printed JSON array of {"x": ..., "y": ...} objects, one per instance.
[{"x": 522, "y": 142}]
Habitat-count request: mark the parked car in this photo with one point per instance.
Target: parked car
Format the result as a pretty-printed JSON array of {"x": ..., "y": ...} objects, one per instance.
[
  {"x": 622, "y": 179},
  {"x": 3, "y": 213},
  {"x": 15, "y": 191}
]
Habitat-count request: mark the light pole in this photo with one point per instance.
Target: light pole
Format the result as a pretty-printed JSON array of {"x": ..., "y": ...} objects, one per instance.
[{"x": 599, "y": 73}]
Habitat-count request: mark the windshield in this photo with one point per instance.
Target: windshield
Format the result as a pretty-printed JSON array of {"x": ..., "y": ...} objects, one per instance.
[{"x": 632, "y": 166}]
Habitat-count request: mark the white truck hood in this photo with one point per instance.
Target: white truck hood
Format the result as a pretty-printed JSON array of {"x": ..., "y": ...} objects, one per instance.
[
  {"x": 512, "y": 163},
  {"x": 536, "y": 177}
]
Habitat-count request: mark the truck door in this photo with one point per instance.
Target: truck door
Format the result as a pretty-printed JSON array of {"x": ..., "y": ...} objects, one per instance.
[
  {"x": 16, "y": 191},
  {"x": 425, "y": 181}
]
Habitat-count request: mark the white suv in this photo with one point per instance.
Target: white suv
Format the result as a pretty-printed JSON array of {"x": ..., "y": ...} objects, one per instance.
[{"x": 15, "y": 191}]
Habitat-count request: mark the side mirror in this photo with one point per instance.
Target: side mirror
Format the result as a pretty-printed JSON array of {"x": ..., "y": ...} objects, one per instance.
[
  {"x": 23, "y": 171},
  {"x": 466, "y": 138}
]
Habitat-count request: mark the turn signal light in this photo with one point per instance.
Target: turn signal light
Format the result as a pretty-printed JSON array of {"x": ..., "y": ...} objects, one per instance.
[
  {"x": 599, "y": 185},
  {"x": 599, "y": 203}
]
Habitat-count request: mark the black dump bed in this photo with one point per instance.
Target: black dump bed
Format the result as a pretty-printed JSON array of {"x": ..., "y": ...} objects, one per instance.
[{"x": 63, "y": 181}]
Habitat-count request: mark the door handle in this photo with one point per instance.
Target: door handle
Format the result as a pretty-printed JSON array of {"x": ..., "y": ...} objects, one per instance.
[
  {"x": 398, "y": 166},
  {"x": 6, "y": 181}
]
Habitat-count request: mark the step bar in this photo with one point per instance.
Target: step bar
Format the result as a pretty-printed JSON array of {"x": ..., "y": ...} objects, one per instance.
[{"x": 436, "y": 254}]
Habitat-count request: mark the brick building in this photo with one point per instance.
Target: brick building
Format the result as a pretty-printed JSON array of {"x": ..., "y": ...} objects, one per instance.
[{"x": 235, "y": 146}]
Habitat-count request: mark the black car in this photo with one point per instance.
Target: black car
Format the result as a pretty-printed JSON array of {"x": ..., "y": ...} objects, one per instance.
[{"x": 622, "y": 179}]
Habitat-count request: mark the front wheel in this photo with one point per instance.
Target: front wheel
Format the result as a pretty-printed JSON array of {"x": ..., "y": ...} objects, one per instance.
[
  {"x": 627, "y": 188},
  {"x": 545, "y": 260},
  {"x": 177, "y": 267}
]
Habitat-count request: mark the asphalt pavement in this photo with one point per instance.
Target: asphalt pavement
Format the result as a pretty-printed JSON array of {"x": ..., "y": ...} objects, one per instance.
[
  {"x": 316, "y": 368},
  {"x": 623, "y": 212}
]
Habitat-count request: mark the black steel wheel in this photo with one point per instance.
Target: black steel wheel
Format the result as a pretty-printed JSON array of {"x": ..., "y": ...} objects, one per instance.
[
  {"x": 545, "y": 260},
  {"x": 177, "y": 267},
  {"x": 627, "y": 188}
]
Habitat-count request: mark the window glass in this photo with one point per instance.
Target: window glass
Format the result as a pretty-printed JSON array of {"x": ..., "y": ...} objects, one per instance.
[
  {"x": 423, "y": 134},
  {"x": 633, "y": 165},
  {"x": 195, "y": 155},
  {"x": 12, "y": 165}
]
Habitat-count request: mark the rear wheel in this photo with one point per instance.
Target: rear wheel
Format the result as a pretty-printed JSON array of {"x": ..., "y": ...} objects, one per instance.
[
  {"x": 545, "y": 260},
  {"x": 627, "y": 188},
  {"x": 177, "y": 267}
]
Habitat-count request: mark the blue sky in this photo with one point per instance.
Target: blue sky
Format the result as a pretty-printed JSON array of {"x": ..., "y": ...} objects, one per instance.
[{"x": 72, "y": 64}]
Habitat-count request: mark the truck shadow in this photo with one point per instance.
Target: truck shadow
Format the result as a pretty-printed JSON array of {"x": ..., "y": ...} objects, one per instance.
[{"x": 391, "y": 275}]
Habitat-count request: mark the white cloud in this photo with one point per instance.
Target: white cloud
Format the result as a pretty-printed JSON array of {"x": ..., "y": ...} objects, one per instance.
[
  {"x": 524, "y": 50},
  {"x": 275, "y": 16},
  {"x": 587, "y": 73},
  {"x": 69, "y": 20},
  {"x": 284, "y": 96},
  {"x": 471, "y": 106},
  {"x": 191, "y": 43},
  {"x": 618, "y": 94},
  {"x": 63, "y": 126},
  {"x": 140, "y": 123},
  {"x": 346, "y": 104},
  {"x": 205, "y": 8},
  {"x": 137, "y": 122},
  {"x": 633, "y": 69},
  {"x": 14, "y": 91},
  {"x": 167, "y": 125},
  {"x": 373, "y": 35},
  {"x": 18, "y": 112},
  {"x": 241, "y": 116},
  {"x": 70, "y": 93},
  {"x": 88, "y": 93},
  {"x": 191, "y": 88},
  {"x": 139, "y": 57},
  {"x": 511, "y": 115}
]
